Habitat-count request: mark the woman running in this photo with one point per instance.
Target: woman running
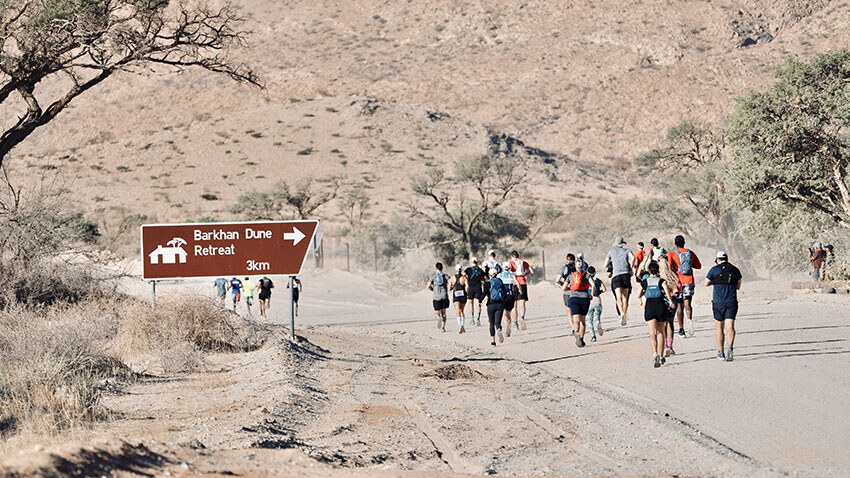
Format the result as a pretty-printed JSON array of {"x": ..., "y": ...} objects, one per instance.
[
  {"x": 507, "y": 278},
  {"x": 459, "y": 287},
  {"x": 494, "y": 291},
  {"x": 579, "y": 286},
  {"x": 654, "y": 288}
]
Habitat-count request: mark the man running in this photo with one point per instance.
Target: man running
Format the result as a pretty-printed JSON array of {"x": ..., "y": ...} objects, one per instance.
[
  {"x": 296, "y": 292},
  {"x": 726, "y": 280},
  {"x": 657, "y": 250},
  {"x": 248, "y": 286},
  {"x": 579, "y": 286},
  {"x": 640, "y": 254},
  {"x": 220, "y": 285},
  {"x": 235, "y": 287},
  {"x": 683, "y": 262},
  {"x": 439, "y": 284},
  {"x": 495, "y": 292},
  {"x": 265, "y": 285},
  {"x": 491, "y": 263},
  {"x": 621, "y": 261},
  {"x": 521, "y": 269},
  {"x": 476, "y": 277},
  {"x": 507, "y": 278}
]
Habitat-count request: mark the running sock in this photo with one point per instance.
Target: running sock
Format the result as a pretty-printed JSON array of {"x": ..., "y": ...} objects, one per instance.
[{"x": 669, "y": 342}]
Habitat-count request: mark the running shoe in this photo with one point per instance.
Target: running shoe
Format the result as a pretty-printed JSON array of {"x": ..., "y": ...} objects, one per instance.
[
  {"x": 501, "y": 337},
  {"x": 720, "y": 355},
  {"x": 572, "y": 333},
  {"x": 462, "y": 330},
  {"x": 689, "y": 324},
  {"x": 478, "y": 322},
  {"x": 728, "y": 354},
  {"x": 623, "y": 320},
  {"x": 508, "y": 332},
  {"x": 593, "y": 339},
  {"x": 516, "y": 325},
  {"x": 439, "y": 323},
  {"x": 492, "y": 344},
  {"x": 669, "y": 352},
  {"x": 582, "y": 342},
  {"x": 681, "y": 332},
  {"x": 657, "y": 360},
  {"x": 578, "y": 342},
  {"x": 663, "y": 360},
  {"x": 599, "y": 330},
  {"x": 443, "y": 329},
  {"x": 521, "y": 324}
]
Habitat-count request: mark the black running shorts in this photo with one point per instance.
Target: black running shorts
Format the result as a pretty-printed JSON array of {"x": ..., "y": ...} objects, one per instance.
[
  {"x": 441, "y": 304},
  {"x": 725, "y": 311},
  {"x": 622, "y": 281},
  {"x": 523, "y": 292}
]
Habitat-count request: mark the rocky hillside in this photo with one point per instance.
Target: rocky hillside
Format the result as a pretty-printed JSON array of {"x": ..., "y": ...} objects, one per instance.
[{"x": 375, "y": 90}]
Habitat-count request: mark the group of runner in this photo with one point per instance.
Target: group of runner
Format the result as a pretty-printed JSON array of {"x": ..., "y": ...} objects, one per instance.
[
  {"x": 666, "y": 280},
  {"x": 264, "y": 287}
]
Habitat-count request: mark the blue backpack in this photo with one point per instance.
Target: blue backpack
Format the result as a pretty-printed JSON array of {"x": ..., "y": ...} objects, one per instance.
[
  {"x": 653, "y": 288},
  {"x": 685, "y": 262},
  {"x": 497, "y": 289},
  {"x": 439, "y": 279}
]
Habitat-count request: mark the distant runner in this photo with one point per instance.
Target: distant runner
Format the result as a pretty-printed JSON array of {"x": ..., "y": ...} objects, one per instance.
[
  {"x": 594, "y": 315},
  {"x": 439, "y": 284},
  {"x": 235, "y": 287},
  {"x": 565, "y": 272},
  {"x": 265, "y": 285},
  {"x": 220, "y": 285},
  {"x": 476, "y": 277},
  {"x": 579, "y": 286},
  {"x": 296, "y": 292},
  {"x": 491, "y": 263},
  {"x": 671, "y": 280},
  {"x": 640, "y": 254},
  {"x": 726, "y": 280},
  {"x": 495, "y": 292},
  {"x": 459, "y": 286},
  {"x": 507, "y": 278},
  {"x": 249, "y": 293},
  {"x": 657, "y": 251},
  {"x": 521, "y": 270},
  {"x": 621, "y": 261},
  {"x": 683, "y": 262},
  {"x": 655, "y": 311}
]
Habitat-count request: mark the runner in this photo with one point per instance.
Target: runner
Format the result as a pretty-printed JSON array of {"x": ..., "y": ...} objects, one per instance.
[
  {"x": 640, "y": 254},
  {"x": 235, "y": 286},
  {"x": 683, "y": 262},
  {"x": 476, "y": 277},
  {"x": 655, "y": 313},
  {"x": 220, "y": 285},
  {"x": 621, "y": 261},
  {"x": 491, "y": 263},
  {"x": 249, "y": 293},
  {"x": 439, "y": 285},
  {"x": 657, "y": 250},
  {"x": 265, "y": 285},
  {"x": 565, "y": 272},
  {"x": 675, "y": 287},
  {"x": 495, "y": 292},
  {"x": 459, "y": 287},
  {"x": 579, "y": 286},
  {"x": 594, "y": 315},
  {"x": 521, "y": 270},
  {"x": 507, "y": 278},
  {"x": 726, "y": 280},
  {"x": 296, "y": 292},
  {"x": 816, "y": 257}
]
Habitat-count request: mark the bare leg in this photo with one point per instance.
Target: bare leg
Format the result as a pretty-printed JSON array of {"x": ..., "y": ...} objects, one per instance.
[
  {"x": 581, "y": 325},
  {"x": 653, "y": 335},
  {"x": 718, "y": 334},
  {"x": 688, "y": 309},
  {"x": 730, "y": 331},
  {"x": 659, "y": 338},
  {"x": 680, "y": 315}
]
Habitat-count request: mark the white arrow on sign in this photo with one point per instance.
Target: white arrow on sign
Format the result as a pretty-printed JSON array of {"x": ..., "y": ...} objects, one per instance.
[{"x": 295, "y": 236}]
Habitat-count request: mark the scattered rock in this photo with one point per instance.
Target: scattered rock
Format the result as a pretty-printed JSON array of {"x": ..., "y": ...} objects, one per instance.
[
  {"x": 454, "y": 372},
  {"x": 193, "y": 444},
  {"x": 828, "y": 290}
]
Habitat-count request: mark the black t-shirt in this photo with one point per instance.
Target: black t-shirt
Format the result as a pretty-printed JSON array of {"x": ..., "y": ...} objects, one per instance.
[
  {"x": 476, "y": 276},
  {"x": 265, "y": 285},
  {"x": 724, "y": 277}
]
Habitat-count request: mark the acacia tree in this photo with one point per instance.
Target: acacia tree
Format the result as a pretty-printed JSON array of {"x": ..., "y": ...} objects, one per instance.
[
  {"x": 74, "y": 45},
  {"x": 791, "y": 140},
  {"x": 689, "y": 169},
  {"x": 284, "y": 200},
  {"x": 462, "y": 202}
]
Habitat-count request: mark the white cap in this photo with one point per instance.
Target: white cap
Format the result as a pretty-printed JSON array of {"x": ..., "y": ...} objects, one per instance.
[
  {"x": 579, "y": 256},
  {"x": 494, "y": 272},
  {"x": 722, "y": 255},
  {"x": 817, "y": 244},
  {"x": 506, "y": 265},
  {"x": 458, "y": 267},
  {"x": 491, "y": 252}
]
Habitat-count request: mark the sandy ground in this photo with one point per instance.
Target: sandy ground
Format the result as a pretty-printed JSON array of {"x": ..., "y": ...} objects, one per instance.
[{"x": 372, "y": 387}]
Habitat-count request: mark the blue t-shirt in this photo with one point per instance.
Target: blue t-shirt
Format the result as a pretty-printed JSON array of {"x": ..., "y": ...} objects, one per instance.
[
  {"x": 597, "y": 290},
  {"x": 236, "y": 285},
  {"x": 221, "y": 285},
  {"x": 725, "y": 279}
]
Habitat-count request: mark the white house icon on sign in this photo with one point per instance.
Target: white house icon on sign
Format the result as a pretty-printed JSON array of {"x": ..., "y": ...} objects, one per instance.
[{"x": 173, "y": 253}]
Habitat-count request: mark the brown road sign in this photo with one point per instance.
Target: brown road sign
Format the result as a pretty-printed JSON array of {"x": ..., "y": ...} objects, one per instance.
[{"x": 182, "y": 251}]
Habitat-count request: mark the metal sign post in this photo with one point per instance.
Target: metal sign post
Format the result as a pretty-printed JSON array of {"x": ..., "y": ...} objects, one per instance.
[
  {"x": 292, "y": 308},
  {"x": 153, "y": 296}
]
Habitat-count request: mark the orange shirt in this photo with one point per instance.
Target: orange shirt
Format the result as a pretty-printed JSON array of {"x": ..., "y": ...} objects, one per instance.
[
  {"x": 639, "y": 256},
  {"x": 674, "y": 265}
]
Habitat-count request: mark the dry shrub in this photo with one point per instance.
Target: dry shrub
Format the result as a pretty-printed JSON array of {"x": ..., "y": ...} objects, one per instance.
[
  {"x": 54, "y": 363},
  {"x": 45, "y": 282},
  {"x": 184, "y": 327}
]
